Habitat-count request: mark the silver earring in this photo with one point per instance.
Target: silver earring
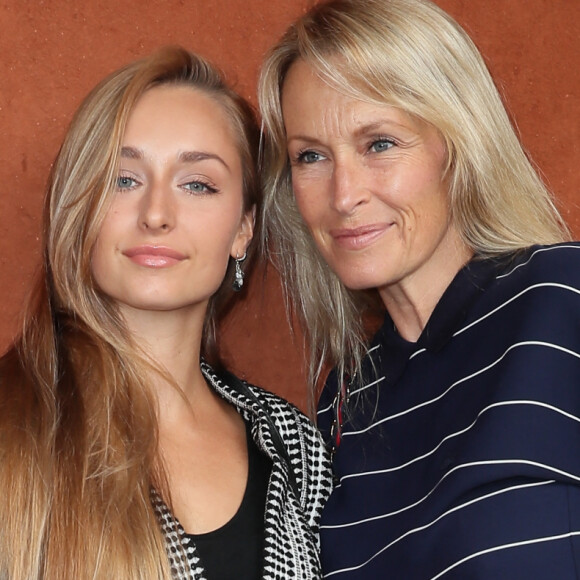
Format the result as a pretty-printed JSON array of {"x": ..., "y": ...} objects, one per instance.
[{"x": 239, "y": 274}]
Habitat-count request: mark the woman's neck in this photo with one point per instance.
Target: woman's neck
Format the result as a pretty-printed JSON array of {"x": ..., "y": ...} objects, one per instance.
[
  {"x": 171, "y": 341},
  {"x": 411, "y": 302}
]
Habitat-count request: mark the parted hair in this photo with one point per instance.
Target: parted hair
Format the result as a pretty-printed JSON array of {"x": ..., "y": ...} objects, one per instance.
[
  {"x": 78, "y": 420},
  {"x": 412, "y": 55}
]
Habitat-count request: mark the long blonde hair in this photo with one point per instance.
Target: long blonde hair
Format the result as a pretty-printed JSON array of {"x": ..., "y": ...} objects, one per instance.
[
  {"x": 411, "y": 55},
  {"x": 78, "y": 424}
]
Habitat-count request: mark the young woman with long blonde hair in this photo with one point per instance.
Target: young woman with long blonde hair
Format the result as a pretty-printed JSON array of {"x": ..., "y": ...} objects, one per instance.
[{"x": 126, "y": 449}]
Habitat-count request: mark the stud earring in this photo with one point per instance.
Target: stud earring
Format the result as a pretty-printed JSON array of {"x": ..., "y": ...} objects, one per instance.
[{"x": 239, "y": 274}]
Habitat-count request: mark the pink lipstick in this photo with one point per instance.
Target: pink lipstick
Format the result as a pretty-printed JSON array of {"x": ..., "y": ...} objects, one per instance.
[
  {"x": 358, "y": 238},
  {"x": 154, "y": 256}
]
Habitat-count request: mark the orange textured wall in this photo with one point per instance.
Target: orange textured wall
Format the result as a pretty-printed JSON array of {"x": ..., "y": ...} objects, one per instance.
[{"x": 53, "y": 52}]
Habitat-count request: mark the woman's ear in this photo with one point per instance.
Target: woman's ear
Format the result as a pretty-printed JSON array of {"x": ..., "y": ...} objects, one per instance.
[{"x": 245, "y": 233}]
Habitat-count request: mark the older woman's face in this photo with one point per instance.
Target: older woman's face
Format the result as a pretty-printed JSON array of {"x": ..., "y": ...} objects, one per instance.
[{"x": 368, "y": 181}]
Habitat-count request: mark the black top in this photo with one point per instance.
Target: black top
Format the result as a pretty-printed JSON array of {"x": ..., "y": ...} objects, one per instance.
[
  {"x": 291, "y": 547},
  {"x": 236, "y": 550}
]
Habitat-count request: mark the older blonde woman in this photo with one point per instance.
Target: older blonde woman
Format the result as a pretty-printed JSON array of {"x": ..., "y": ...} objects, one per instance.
[{"x": 392, "y": 168}]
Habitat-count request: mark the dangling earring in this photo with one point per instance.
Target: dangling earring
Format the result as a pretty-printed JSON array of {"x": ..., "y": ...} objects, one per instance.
[{"x": 239, "y": 274}]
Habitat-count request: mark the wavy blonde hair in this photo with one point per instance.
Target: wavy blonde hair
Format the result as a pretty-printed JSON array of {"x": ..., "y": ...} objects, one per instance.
[
  {"x": 411, "y": 55},
  {"x": 78, "y": 424}
]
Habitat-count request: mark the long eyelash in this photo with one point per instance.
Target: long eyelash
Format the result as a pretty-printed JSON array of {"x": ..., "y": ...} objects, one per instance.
[
  {"x": 299, "y": 156},
  {"x": 380, "y": 139},
  {"x": 122, "y": 175},
  {"x": 301, "y": 153},
  {"x": 386, "y": 138},
  {"x": 210, "y": 188}
]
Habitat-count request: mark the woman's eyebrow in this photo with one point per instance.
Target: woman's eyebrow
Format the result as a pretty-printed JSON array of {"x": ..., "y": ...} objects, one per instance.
[
  {"x": 194, "y": 156},
  {"x": 128, "y": 152}
]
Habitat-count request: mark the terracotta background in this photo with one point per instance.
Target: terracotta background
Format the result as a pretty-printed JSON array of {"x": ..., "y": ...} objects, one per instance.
[{"x": 54, "y": 51}]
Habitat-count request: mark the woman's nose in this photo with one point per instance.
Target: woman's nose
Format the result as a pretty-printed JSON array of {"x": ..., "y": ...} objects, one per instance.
[
  {"x": 157, "y": 209},
  {"x": 348, "y": 190}
]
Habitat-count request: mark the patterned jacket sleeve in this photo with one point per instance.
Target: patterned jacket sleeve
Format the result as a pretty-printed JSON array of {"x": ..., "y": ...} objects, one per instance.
[{"x": 308, "y": 454}]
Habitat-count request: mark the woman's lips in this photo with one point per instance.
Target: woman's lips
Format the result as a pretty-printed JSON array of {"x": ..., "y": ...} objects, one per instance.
[
  {"x": 154, "y": 256},
  {"x": 358, "y": 238}
]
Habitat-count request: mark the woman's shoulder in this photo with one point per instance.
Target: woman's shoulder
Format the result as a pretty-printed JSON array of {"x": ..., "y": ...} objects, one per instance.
[
  {"x": 557, "y": 262},
  {"x": 282, "y": 411},
  {"x": 270, "y": 398},
  {"x": 245, "y": 395}
]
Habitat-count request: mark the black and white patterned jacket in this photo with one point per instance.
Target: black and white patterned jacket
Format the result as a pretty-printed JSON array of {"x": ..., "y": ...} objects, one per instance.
[{"x": 291, "y": 541}]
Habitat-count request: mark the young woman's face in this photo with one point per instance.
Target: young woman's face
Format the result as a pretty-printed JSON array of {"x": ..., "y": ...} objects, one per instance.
[
  {"x": 369, "y": 182},
  {"x": 177, "y": 214}
]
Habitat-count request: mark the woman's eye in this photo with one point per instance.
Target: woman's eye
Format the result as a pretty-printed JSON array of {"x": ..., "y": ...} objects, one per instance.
[
  {"x": 381, "y": 145},
  {"x": 309, "y": 157},
  {"x": 199, "y": 187},
  {"x": 125, "y": 182}
]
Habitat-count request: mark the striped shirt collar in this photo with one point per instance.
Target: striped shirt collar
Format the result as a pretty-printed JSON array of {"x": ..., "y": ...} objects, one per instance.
[{"x": 449, "y": 313}]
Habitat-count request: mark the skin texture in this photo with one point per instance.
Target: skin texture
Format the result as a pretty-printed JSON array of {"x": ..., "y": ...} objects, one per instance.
[
  {"x": 175, "y": 220},
  {"x": 369, "y": 182},
  {"x": 177, "y": 215}
]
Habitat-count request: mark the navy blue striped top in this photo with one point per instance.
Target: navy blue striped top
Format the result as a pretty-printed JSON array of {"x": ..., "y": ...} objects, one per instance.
[{"x": 460, "y": 457}]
